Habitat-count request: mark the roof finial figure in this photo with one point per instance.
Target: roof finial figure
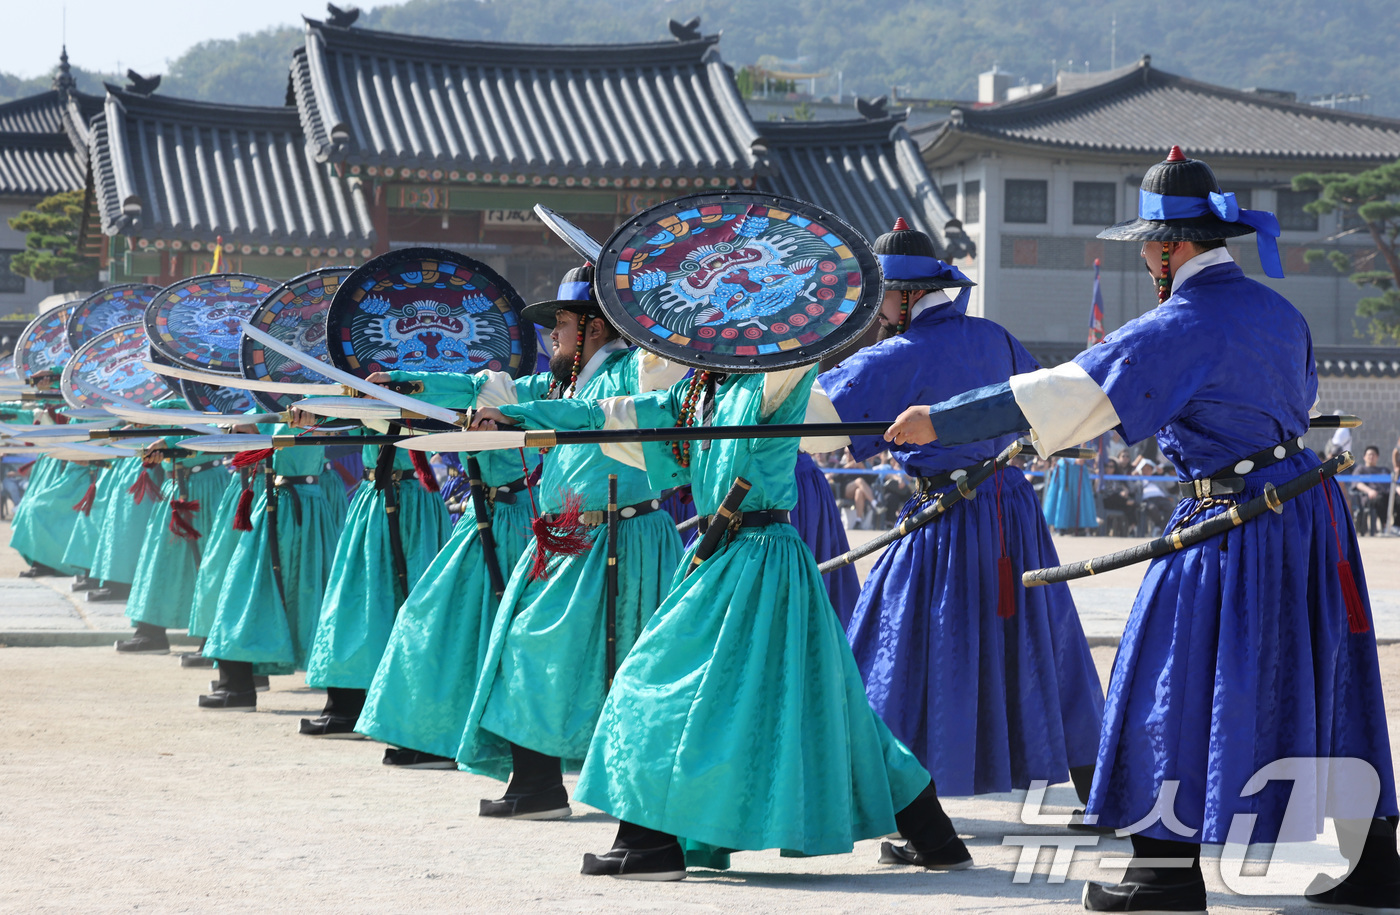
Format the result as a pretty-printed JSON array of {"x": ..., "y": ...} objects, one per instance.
[
  {"x": 875, "y": 109},
  {"x": 686, "y": 31},
  {"x": 63, "y": 80},
  {"x": 141, "y": 85},
  {"x": 341, "y": 19}
]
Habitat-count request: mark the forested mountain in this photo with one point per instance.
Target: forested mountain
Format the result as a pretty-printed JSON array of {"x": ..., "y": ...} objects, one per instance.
[{"x": 928, "y": 48}]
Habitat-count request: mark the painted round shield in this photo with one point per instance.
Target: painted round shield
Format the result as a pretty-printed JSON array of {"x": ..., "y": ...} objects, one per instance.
[
  {"x": 428, "y": 310},
  {"x": 196, "y": 322},
  {"x": 208, "y": 398},
  {"x": 294, "y": 313},
  {"x": 739, "y": 281},
  {"x": 7, "y": 368},
  {"x": 109, "y": 367},
  {"x": 107, "y": 308},
  {"x": 43, "y": 344}
]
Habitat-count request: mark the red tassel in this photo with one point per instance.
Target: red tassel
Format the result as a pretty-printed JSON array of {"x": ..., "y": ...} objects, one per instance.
[
  {"x": 423, "y": 471},
  {"x": 1356, "y": 611},
  {"x": 243, "y": 514},
  {"x": 180, "y": 526},
  {"x": 84, "y": 504},
  {"x": 566, "y": 536},
  {"x": 144, "y": 488},
  {"x": 1006, "y": 588},
  {"x": 249, "y": 458}
]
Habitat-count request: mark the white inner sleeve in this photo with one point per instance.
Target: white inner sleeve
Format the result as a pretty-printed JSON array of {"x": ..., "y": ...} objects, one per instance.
[
  {"x": 621, "y": 413},
  {"x": 498, "y": 391},
  {"x": 655, "y": 372},
  {"x": 778, "y": 386},
  {"x": 1064, "y": 406},
  {"x": 820, "y": 409}
]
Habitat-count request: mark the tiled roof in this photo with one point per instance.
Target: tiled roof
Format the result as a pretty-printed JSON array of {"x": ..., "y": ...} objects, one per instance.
[
  {"x": 1141, "y": 110},
  {"x": 38, "y": 164},
  {"x": 172, "y": 168},
  {"x": 667, "y": 109},
  {"x": 868, "y": 172}
]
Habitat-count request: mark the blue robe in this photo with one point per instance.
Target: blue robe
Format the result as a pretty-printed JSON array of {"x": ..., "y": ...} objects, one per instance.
[
  {"x": 1237, "y": 652},
  {"x": 987, "y": 703},
  {"x": 818, "y": 521},
  {"x": 1069, "y": 496}
]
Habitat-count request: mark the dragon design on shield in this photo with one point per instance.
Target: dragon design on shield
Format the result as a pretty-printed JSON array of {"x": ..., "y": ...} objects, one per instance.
[{"x": 430, "y": 335}]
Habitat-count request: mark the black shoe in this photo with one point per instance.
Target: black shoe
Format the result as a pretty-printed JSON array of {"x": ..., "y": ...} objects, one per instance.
[
  {"x": 227, "y": 699},
  {"x": 1077, "y": 824},
  {"x": 112, "y": 593},
  {"x": 83, "y": 583},
  {"x": 404, "y": 758},
  {"x": 657, "y": 864},
  {"x": 1361, "y": 898},
  {"x": 952, "y": 856},
  {"x": 144, "y": 644},
  {"x": 39, "y": 570},
  {"x": 334, "y": 728},
  {"x": 1141, "y": 898},
  {"x": 549, "y": 804},
  {"x": 260, "y": 684},
  {"x": 195, "y": 659}
]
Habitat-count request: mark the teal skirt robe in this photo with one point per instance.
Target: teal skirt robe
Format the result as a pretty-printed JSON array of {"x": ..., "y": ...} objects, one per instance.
[
  {"x": 543, "y": 682},
  {"x": 121, "y": 533},
  {"x": 739, "y": 719},
  {"x": 253, "y": 621},
  {"x": 82, "y": 543},
  {"x": 218, "y": 546},
  {"x": 163, "y": 589},
  {"x": 422, "y": 690},
  {"x": 44, "y": 518},
  {"x": 362, "y": 596}
]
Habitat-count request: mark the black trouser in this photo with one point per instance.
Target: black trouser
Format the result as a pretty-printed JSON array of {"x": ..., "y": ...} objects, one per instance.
[
  {"x": 532, "y": 772},
  {"x": 344, "y": 703},
  {"x": 236, "y": 676}
]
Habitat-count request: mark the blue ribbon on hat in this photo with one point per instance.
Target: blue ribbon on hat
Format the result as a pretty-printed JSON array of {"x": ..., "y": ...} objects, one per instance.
[
  {"x": 575, "y": 291},
  {"x": 1224, "y": 206},
  {"x": 917, "y": 267}
]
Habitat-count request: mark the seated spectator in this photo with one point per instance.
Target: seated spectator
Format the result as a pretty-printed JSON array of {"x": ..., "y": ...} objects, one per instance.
[
  {"x": 1156, "y": 504},
  {"x": 859, "y": 493},
  {"x": 1119, "y": 501},
  {"x": 1370, "y": 500},
  {"x": 895, "y": 490}
]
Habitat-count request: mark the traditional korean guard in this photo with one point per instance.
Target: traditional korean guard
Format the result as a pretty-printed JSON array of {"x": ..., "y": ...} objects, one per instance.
[
  {"x": 544, "y": 677},
  {"x": 738, "y": 720},
  {"x": 990, "y": 684},
  {"x": 134, "y": 492},
  {"x": 45, "y": 517},
  {"x": 1244, "y": 648},
  {"x": 817, "y": 520},
  {"x": 1069, "y": 497}
]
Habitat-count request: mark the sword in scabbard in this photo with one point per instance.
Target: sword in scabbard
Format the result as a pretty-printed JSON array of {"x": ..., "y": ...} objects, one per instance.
[
  {"x": 1272, "y": 499},
  {"x": 719, "y": 524},
  {"x": 483, "y": 527},
  {"x": 611, "y": 580}
]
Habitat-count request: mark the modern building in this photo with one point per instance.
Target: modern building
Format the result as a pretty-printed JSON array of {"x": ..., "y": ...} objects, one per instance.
[{"x": 1033, "y": 181}]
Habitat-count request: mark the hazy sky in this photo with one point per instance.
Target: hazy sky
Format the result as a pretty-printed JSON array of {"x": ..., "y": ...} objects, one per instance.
[{"x": 140, "y": 34}]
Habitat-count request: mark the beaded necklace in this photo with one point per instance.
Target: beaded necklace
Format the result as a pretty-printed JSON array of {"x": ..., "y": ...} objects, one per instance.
[
  {"x": 903, "y": 312},
  {"x": 689, "y": 404},
  {"x": 1164, "y": 282}
]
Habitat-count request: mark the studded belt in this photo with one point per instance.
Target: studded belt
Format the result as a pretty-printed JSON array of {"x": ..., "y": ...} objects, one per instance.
[
  {"x": 937, "y": 481},
  {"x": 752, "y": 519},
  {"x": 395, "y": 476},
  {"x": 626, "y": 512},
  {"x": 505, "y": 493},
  {"x": 1231, "y": 480},
  {"x": 280, "y": 480}
]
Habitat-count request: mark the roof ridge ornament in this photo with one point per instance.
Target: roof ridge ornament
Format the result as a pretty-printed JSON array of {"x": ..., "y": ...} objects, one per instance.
[
  {"x": 875, "y": 109},
  {"x": 142, "y": 85},
  {"x": 63, "y": 80},
  {"x": 341, "y": 18},
  {"x": 685, "y": 31}
]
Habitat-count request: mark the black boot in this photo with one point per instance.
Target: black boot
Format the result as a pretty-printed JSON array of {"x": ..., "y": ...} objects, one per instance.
[
  {"x": 932, "y": 843},
  {"x": 111, "y": 591},
  {"x": 1373, "y": 885},
  {"x": 81, "y": 582},
  {"x": 405, "y": 758},
  {"x": 1165, "y": 876},
  {"x": 39, "y": 570},
  {"x": 260, "y": 684},
  {"x": 638, "y": 853},
  {"x": 339, "y": 716},
  {"x": 147, "y": 640},
  {"x": 234, "y": 688},
  {"x": 536, "y": 790},
  {"x": 1082, "y": 777}
]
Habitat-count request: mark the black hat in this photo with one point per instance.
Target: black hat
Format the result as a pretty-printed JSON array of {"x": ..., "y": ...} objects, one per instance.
[
  {"x": 575, "y": 294},
  {"x": 909, "y": 260}
]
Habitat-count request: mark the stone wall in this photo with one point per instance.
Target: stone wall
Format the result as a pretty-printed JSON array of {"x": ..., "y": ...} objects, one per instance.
[{"x": 1375, "y": 400}]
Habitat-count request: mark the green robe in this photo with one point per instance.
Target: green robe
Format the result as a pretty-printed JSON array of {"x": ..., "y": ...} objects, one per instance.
[
  {"x": 218, "y": 546},
  {"x": 739, "y": 719},
  {"x": 543, "y": 682},
  {"x": 44, "y": 519},
  {"x": 82, "y": 543},
  {"x": 253, "y": 621},
  {"x": 423, "y": 687},
  {"x": 363, "y": 594},
  {"x": 121, "y": 533},
  {"x": 163, "y": 589}
]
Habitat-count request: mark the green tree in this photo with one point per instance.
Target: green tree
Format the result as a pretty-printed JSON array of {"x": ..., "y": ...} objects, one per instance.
[
  {"x": 51, "y": 244},
  {"x": 1370, "y": 198}
]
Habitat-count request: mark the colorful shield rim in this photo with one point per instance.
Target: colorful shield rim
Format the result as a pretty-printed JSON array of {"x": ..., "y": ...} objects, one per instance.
[
  {"x": 739, "y": 281},
  {"x": 108, "y": 308},
  {"x": 43, "y": 344},
  {"x": 196, "y": 322},
  {"x": 294, "y": 313},
  {"x": 208, "y": 398},
  {"x": 108, "y": 367},
  {"x": 428, "y": 310}
]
